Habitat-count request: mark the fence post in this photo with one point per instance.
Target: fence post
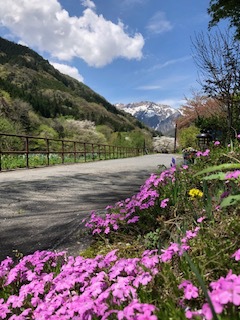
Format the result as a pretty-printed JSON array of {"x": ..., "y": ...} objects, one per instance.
[
  {"x": 27, "y": 152},
  {"x": 62, "y": 152},
  {"x": 75, "y": 150},
  {"x": 92, "y": 152},
  {"x": 47, "y": 142},
  {"x": 85, "y": 152},
  {"x": 99, "y": 152}
]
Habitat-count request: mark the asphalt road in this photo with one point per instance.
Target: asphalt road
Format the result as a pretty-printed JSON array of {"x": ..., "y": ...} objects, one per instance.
[{"x": 43, "y": 208}]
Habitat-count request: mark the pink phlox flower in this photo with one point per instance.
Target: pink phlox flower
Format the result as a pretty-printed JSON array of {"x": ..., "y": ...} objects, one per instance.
[
  {"x": 192, "y": 234},
  {"x": 108, "y": 259},
  {"x": 15, "y": 301},
  {"x": 122, "y": 290},
  {"x": 107, "y": 230},
  {"x": 238, "y": 136},
  {"x": 30, "y": 275},
  {"x": 166, "y": 255},
  {"x": 169, "y": 252},
  {"x": 150, "y": 260},
  {"x": 184, "y": 247},
  {"x": 217, "y": 143},
  {"x": 138, "y": 311},
  {"x": 190, "y": 291},
  {"x": 131, "y": 268},
  {"x": 206, "y": 153},
  {"x": 233, "y": 175},
  {"x": 143, "y": 279},
  {"x": 164, "y": 203},
  {"x": 185, "y": 166},
  {"x": 97, "y": 230},
  {"x": 117, "y": 269},
  {"x": 236, "y": 255},
  {"x": 3, "y": 309},
  {"x": 133, "y": 219},
  {"x": 199, "y": 220}
]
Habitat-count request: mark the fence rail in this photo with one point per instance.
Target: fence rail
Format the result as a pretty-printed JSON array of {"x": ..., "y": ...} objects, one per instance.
[{"x": 24, "y": 150}]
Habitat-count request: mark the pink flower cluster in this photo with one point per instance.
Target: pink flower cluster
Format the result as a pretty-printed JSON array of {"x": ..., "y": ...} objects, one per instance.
[
  {"x": 127, "y": 210},
  {"x": 223, "y": 292},
  {"x": 48, "y": 285},
  {"x": 179, "y": 248},
  {"x": 203, "y": 154}
]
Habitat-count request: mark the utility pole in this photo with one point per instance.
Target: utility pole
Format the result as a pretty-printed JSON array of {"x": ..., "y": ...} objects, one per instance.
[{"x": 175, "y": 139}]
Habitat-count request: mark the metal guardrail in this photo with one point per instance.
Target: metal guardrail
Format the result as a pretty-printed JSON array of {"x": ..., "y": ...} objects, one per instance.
[{"x": 66, "y": 150}]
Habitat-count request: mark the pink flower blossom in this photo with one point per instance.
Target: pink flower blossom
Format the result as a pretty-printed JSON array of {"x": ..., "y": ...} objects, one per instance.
[
  {"x": 164, "y": 203},
  {"x": 236, "y": 255},
  {"x": 199, "y": 220},
  {"x": 233, "y": 175},
  {"x": 217, "y": 143}
]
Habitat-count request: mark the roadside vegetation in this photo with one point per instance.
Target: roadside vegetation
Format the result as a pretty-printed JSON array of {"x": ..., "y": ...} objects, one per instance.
[{"x": 171, "y": 251}]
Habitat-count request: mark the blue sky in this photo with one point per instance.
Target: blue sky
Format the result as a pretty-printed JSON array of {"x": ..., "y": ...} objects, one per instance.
[{"x": 125, "y": 50}]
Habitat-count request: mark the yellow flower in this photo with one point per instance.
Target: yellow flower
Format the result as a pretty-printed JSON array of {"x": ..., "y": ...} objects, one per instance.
[{"x": 194, "y": 193}]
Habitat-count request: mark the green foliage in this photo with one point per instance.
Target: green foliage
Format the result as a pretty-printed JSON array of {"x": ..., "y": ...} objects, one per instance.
[
  {"x": 232, "y": 199},
  {"x": 188, "y": 137},
  {"x": 216, "y": 124},
  {"x": 9, "y": 143},
  {"x": 225, "y": 9}
]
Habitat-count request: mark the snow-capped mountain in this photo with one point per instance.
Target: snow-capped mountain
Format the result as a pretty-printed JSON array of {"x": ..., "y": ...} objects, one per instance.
[{"x": 157, "y": 116}]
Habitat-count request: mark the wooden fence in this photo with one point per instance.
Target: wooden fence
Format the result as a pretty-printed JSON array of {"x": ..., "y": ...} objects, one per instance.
[{"x": 55, "y": 151}]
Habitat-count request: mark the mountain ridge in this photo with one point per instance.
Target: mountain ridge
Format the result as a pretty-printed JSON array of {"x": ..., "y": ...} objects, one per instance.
[
  {"x": 159, "y": 117},
  {"x": 27, "y": 76}
]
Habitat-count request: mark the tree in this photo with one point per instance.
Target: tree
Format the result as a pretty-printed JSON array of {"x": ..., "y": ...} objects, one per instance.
[
  {"x": 217, "y": 57},
  {"x": 225, "y": 9}
]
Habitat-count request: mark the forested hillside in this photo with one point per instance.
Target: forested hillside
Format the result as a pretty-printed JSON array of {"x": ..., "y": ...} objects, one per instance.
[{"x": 35, "y": 98}]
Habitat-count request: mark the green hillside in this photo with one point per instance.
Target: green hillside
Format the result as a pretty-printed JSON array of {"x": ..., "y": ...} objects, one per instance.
[{"x": 35, "y": 98}]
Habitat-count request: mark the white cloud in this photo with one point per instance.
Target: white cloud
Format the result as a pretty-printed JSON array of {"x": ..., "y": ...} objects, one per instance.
[
  {"x": 159, "y": 23},
  {"x": 88, "y": 4},
  {"x": 149, "y": 87},
  {"x": 71, "y": 71},
  {"x": 170, "y": 62},
  {"x": 172, "y": 102},
  {"x": 45, "y": 25}
]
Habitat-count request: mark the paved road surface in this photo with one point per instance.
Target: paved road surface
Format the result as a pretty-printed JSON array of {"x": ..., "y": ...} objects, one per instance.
[{"x": 43, "y": 208}]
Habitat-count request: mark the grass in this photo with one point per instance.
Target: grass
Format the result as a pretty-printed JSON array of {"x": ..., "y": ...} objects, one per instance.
[
  {"x": 169, "y": 252},
  {"x": 11, "y": 162}
]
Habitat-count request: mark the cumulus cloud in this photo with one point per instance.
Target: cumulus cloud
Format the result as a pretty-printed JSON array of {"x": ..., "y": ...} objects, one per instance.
[
  {"x": 66, "y": 69},
  {"x": 45, "y": 25},
  {"x": 159, "y": 23}
]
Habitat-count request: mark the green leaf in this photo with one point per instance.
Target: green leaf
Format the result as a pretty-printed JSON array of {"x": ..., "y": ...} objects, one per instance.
[
  {"x": 226, "y": 166},
  {"x": 230, "y": 200},
  {"x": 215, "y": 176}
]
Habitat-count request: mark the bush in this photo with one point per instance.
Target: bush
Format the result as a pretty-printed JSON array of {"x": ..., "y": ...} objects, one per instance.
[{"x": 187, "y": 137}]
